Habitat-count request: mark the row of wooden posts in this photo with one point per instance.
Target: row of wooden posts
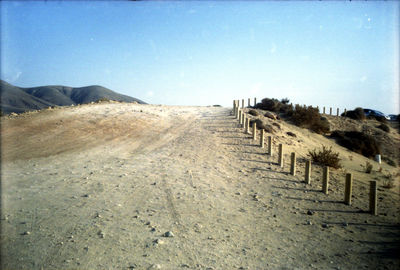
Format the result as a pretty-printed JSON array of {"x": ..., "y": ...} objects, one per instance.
[
  {"x": 236, "y": 102},
  {"x": 244, "y": 122}
]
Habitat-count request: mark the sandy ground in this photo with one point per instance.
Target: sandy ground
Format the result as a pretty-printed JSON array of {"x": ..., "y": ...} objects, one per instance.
[{"x": 98, "y": 186}]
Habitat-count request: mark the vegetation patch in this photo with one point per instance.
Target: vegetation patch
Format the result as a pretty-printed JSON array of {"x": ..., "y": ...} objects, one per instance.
[
  {"x": 356, "y": 114},
  {"x": 357, "y": 142},
  {"x": 254, "y": 112},
  {"x": 384, "y": 127},
  {"x": 309, "y": 117},
  {"x": 325, "y": 157}
]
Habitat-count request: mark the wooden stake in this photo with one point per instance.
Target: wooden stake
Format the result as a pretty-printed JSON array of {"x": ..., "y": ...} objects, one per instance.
[
  {"x": 255, "y": 102},
  {"x": 248, "y": 102},
  {"x": 373, "y": 207},
  {"x": 325, "y": 180},
  {"x": 244, "y": 120},
  {"x": 262, "y": 138},
  {"x": 240, "y": 117},
  {"x": 280, "y": 156},
  {"x": 307, "y": 177},
  {"x": 337, "y": 112},
  {"x": 348, "y": 189},
  {"x": 324, "y": 111},
  {"x": 247, "y": 125},
  {"x": 293, "y": 164},
  {"x": 254, "y": 131},
  {"x": 330, "y": 111},
  {"x": 242, "y": 103},
  {"x": 270, "y": 146}
]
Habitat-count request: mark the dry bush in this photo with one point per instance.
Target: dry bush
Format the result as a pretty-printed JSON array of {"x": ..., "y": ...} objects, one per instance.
[
  {"x": 325, "y": 157},
  {"x": 368, "y": 167},
  {"x": 260, "y": 124},
  {"x": 274, "y": 105},
  {"x": 389, "y": 161},
  {"x": 356, "y": 114},
  {"x": 254, "y": 112},
  {"x": 357, "y": 142},
  {"x": 103, "y": 99},
  {"x": 388, "y": 182},
  {"x": 384, "y": 127},
  {"x": 309, "y": 117}
]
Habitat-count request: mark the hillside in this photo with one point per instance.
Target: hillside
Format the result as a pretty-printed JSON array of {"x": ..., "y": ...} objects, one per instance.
[
  {"x": 18, "y": 100},
  {"x": 127, "y": 186}
]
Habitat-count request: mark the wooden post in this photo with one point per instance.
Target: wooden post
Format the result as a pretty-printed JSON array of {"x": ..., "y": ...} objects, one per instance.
[
  {"x": 307, "y": 177},
  {"x": 373, "y": 208},
  {"x": 293, "y": 164},
  {"x": 345, "y": 111},
  {"x": 270, "y": 146},
  {"x": 242, "y": 103},
  {"x": 325, "y": 180},
  {"x": 330, "y": 111},
  {"x": 244, "y": 120},
  {"x": 337, "y": 112},
  {"x": 255, "y": 102},
  {"x": 318, "y": 108},
  {"x": 248, "y": 102},
  {"x": 262, "y": 138},
  {"x": 247, "y": 125},
  {"x": 254, "y": 131},
  {"x": 280, "y": 156},
  {"x": 237, "y": 111},
  {"x": 324, "y": 110},
  {"x": 234, "y": 108},
  {"x": 240, "y": 117},
  {"x": 348, "y": 188}
]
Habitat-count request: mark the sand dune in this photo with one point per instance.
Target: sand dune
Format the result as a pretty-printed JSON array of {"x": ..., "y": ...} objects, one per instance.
[{"x": 98, "y": 187}]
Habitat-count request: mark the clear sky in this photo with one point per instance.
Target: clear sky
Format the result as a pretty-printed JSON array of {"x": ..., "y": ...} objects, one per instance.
[{"x": 337, "y": 53}]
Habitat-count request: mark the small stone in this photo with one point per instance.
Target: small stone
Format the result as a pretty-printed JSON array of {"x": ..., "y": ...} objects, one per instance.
[
  {"x": 158, "y": 242},
  {"x": 153, "y": 229},
  {"x": 168, "y": 234},
  {"x": 86, "y": 196},
  {"x": 324, "y": 225},
  {"x": 155, "y": 266},
  {"x": 101, "y": 234},
  {"x": 309, "y": 222},
  {"x": 345, "y": 224},
  {"x": 310, "y": 213},
  {"x": 26, "y": 233}
]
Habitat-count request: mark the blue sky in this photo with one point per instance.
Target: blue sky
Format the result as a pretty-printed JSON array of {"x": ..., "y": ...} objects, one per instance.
[{"x": 338, "y": 53}]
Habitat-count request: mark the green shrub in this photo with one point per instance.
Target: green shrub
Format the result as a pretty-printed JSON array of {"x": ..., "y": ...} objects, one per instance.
[
  {"x": 356, "y": 114},
  {"x": 357, "y": 142},
  {"x": 325, "y": 157},
  {"x": 309, "y": 117},
  {"x": 254, "y": 112},
  {"x": 384, "y": 127}
]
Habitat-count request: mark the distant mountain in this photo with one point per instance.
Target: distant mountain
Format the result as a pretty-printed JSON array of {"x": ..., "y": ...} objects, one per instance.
[{"x": 18, "y": 99}]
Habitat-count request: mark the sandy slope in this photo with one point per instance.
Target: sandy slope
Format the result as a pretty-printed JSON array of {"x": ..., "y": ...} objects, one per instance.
[{"x": 97, "y": 186}]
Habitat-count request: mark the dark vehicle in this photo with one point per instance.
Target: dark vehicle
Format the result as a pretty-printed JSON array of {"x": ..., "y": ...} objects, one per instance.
[
  {"x": 394, "y": 117},
  {"x": 375, "y": 114}
]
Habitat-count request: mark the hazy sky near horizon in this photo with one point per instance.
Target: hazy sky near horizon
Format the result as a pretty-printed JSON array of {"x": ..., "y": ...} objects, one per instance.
[{"x": 337, "y": 53}]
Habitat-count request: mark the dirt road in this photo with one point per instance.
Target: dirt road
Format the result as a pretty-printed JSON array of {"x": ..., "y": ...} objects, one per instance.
[{"x": 123, "y": 186}]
